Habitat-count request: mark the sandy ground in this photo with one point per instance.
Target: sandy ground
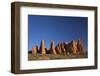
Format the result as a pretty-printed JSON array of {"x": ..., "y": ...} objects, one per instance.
[{"x": 53, "y": 57}]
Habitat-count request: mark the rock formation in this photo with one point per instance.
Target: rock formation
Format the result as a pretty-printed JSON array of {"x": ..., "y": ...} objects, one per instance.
[
  {"x": 62, "y": 48},
  {"x": 66, "y": 48},
  {"x": 37, "y": 47},
  {"x": 80, "y": 47},
  {"x": 42, "y": 48},
  {"x": 34, "y": 51},
  {"x": 58, "y": 48},
  {"x": 52, "y": 48},
  {"x": 73, "y": 47}
]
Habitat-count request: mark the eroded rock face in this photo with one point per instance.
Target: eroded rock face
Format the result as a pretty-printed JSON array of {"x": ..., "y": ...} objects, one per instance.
[
  {"x": 42, "y": 48},
  {"x": 52, "y": 48}
]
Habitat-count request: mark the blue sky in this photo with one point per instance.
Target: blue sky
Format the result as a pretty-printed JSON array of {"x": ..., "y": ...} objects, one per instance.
[{"x": 56, "y": 28}]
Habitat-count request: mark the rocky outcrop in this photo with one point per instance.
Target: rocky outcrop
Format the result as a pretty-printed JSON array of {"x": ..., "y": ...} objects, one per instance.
[{"x": 74, "y": 47}]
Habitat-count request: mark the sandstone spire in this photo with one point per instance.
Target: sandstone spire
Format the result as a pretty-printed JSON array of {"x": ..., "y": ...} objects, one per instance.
[
  {"x": 74, "y": 47},
  {"x": 66, "y": 46},
  {"x": 80, "y": 47},
  {"x": 34, "y": 51},
  {"x": 37, "y": 46},
  {"x": 62, "y": 48},
  {"x": 52, "y": 47},
  {"x": 42, "y": 48},
  {"x": 58, "y": 48}
]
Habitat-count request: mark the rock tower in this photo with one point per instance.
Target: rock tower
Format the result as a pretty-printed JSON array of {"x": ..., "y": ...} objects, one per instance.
[
  {"x": 52, "y": 48},
  {"x": 42, "y": 48}
]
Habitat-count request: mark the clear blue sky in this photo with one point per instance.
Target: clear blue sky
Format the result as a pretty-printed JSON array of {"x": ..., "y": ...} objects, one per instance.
[{"x": 56, "y": 28}]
